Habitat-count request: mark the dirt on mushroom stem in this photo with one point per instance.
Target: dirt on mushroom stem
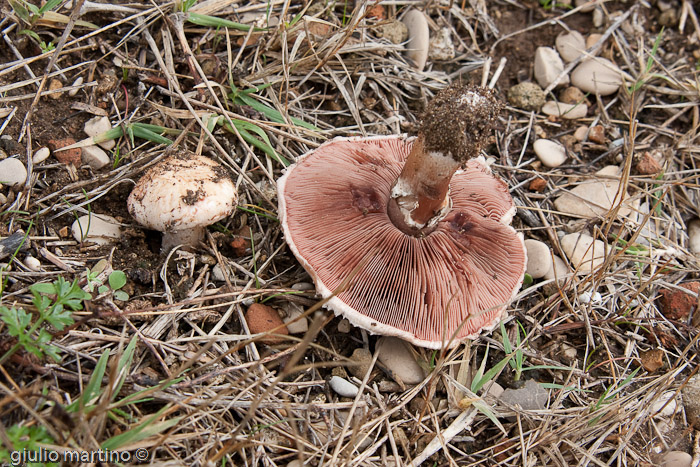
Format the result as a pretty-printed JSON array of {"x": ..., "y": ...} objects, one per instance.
[{"x": 453, "y": 129}]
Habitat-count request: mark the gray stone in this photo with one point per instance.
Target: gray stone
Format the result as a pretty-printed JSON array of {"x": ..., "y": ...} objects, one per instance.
[
  {"x": 526, "y": 96},
  {"x": 95, "y": 157},
  {"x": 96, "y": 228},
  {"x": 344, "y": 326},
  {"x": 570, "y": 45},
  {"x": 548, "y": 66},
  {"x": 12, "y": 172},
  {"x": 343, "y": 387},
  {"x": 566, "y": 111},
  {"x": 418, "y": 37},
  {"x": 300, "y": 326},
  {"x": 98, "y": 125},
  {"x": 397, "y": 356},
  {"x": 531, "y": 396},
  {"x": 691, "y": 401},
  {"x": 441, "y": 46},
  {"x": 539, "y": 258},
  {"x": 551, "y": 153},
  {"x": 393, "y": 31},
  {"x": 361, "y": 358},
  {"x": 583, "y": 251},
  {"x": 597, "y": 75}
]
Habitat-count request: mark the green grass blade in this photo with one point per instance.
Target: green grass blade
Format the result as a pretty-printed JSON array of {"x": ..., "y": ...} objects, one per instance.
[
  {"x": 243, "y": 98},
  {"x": 148, "y": 428},
  {"x": 214, "y": 22}
]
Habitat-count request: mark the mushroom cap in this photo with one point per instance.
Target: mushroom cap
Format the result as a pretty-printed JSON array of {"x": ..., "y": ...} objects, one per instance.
[
  {"x": 455, "y": 281},
  {"x": 184, "y": 191}
]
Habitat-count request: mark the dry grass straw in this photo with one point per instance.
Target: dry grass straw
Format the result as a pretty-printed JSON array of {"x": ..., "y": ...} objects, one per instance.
[{"x": 238, "y": 401}]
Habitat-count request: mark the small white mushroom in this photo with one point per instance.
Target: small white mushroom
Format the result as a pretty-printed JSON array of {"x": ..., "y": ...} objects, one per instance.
[{"x": 181, "y": 196}]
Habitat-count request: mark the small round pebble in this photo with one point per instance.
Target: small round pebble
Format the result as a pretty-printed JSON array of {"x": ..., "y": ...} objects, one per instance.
[
  {"x": 41, "y": 155},
  {"x": 592, "y": 40},
  {"x": 572, "y": 95},
  {"x": 396, "y": 355},
  {"x": 295, "y": 324},
  {"x": 418, "y": 37},
  {"x": 526, "y": 96},
  {"x": 677, "y": 459},
  {"x": 664, "y": 406},
  {"x": 694, "y": 236},
  {"x": 539, "y": 259},
  {"x": 344, "y": 326},
  {"x": 32, "y": 263},
  {"x": 98, "y": 125},
  {"x": 343, "y": 387},
  {"x": 566, "y": 111},
  {"x": 597, "y": 134},
  {"x": 597, "y": 75},
  {"x": 548, "y": 66},
  {"x": 559, "y": 270},
  {"x": 361, "y": 358},
  {"x": 96, "y": 228},
  {"x": 393, "y": 31},
  {"x": 551, "y": 153},
  {"x": 12, "y": 172},
  {"x": 262, "y": 318},
  {"x": 303, "y": 286},
  {"x": 55, "y": 84},
  {"x": 570, "y": 45},
  {"x": 583, "y": 251},
  {"x": 79, "y": 80},
  {"x": 581, "y": 133}
]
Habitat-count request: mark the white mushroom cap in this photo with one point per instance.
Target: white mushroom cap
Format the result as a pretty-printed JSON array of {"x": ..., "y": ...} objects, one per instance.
[{"x": 182, "y": 195}]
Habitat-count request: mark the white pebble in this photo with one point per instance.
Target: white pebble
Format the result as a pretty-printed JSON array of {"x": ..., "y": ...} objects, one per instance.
[
  {"x": 551, "y": 153},
  {"x": 12, "y": 172},
  {"x": 597, "y": 75},
  {"x": 548, "y": 66},
  {"x": 396, "y": 355},
  {"x": 32, "y": 263},
  {"x": 559, "y": 270},
  {"x": 217, "y": 273},
  {"x": 566, "y": 111},
  {"x": 581, "y": 133},
  {"x": 97, "y": 126},
  {"x": 668, "y": 408},
  {"x": 303, "y": 286},
  {"x": 586, "y": 9},
  {"x": 694, "y": 236},
  {"x": 590, "y": 297},
  {"x": 100, "y": 229},
  {"x": 77, "y": 82},
  {"x": 3, "y": 199},
  {"x": 583, "y": 251},
  {"x": 41, "y": 155},
  {"x": 300, "y": 326},
  {"x": 598, "y": 17},
  {"x": 677, "y": 459},
  {"x": 595, "y": 197},
  {"x": 343, "y": 387},
  {"x": 539, "y": 259},
  {"x": 95, "y": 157},
  {"x": 570, "y": 45},
  {"x": 418, "y": 37}
]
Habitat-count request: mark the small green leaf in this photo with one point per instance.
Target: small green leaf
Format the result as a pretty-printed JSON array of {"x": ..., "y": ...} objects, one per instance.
[
  {"x": 121, "y": 295},
  {"x": 117, "y": 280}
]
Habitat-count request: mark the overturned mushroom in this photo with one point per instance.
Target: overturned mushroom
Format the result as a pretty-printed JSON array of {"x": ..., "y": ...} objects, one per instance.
[
  {"x": 181, "y": 196},
  {"x": 430, "y": 246}
]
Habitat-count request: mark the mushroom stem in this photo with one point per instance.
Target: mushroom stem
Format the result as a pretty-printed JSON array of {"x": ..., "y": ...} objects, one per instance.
[
  {"x": 187, "y": 237},
  {"x": 419, "y": 197},
  {"x": 452, "y": 130}
]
